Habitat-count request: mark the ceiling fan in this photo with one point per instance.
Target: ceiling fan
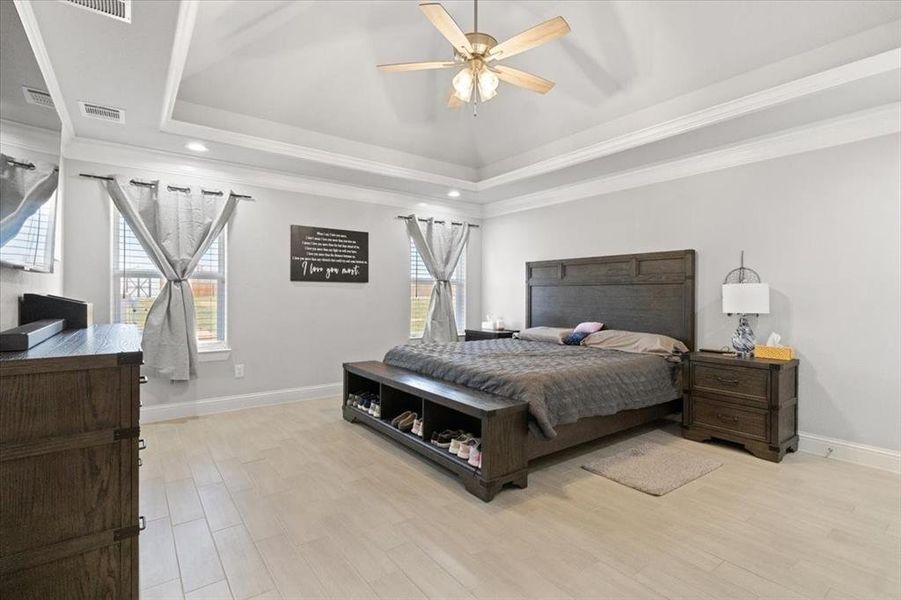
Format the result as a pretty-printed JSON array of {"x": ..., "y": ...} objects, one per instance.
[{"x": 478, "y": 53}]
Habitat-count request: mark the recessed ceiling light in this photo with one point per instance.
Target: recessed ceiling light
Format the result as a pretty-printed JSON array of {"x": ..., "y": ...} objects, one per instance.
[
  {"x": 196, "y": 147},
  {"x": 453, "y": 194}
]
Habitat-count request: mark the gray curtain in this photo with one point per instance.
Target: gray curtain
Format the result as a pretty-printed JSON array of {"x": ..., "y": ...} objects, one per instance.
[
  {"x": 440, "y": 246},
  {"x": 22, "y": 192},
  {"x": 175, "y": 228}
]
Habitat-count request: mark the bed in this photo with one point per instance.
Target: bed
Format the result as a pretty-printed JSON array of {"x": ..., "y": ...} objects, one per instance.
[{"x": 530, "y": 399}]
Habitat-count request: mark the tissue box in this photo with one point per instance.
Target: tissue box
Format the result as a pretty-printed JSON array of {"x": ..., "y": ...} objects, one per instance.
[{"x": 774, "y": 352}]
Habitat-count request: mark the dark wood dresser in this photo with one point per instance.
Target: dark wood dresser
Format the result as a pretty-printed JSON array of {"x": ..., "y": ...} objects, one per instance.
[
  {"x": 69, "y": 410},
  {"x": 488, "y": 334},
  {"x": 751, "y": 401}
]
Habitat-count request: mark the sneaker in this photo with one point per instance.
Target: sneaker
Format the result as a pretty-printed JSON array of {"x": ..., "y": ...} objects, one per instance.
[
  {"x": 475, "y": 456},
  {"x": 417, "y": 428},
  {"x": 376, "y": 409},
  {"x": 443, "y": 439},
  {"x": 466, "y": 448},
  {"x": 407, "y": 423},
  {"x": 400, "y": 418},
  {"x": 455, "y": 443}
]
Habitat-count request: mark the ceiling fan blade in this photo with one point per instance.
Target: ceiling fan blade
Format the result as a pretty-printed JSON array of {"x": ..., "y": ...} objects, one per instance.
[
  {"x": 446, "y": 25},
  {"x": 522, "y": 79},
  {"x": 418, "y": 66},
  {"x": 536, "y": 36},
  {"x": 453, "y": 101}
]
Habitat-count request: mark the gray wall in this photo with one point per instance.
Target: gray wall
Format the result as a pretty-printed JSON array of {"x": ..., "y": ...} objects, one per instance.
[
  {"x": 821, "y": 228},
  {"x": 288, "y": 335}
]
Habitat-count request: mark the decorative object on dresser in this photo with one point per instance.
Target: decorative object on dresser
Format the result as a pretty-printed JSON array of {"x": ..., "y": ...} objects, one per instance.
[
  {"x": 744, "y": 295},
  {"x": 750, "y": 401},
  {"x": 488, "y": 334},
  {"x": 31, "y": 334},
  {"x": 77, "y": 313},
  {"x": 69, "y": 412}
]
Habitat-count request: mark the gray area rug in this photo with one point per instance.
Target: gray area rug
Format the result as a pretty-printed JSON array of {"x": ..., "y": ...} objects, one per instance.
[{"x": 653, "y": 468}]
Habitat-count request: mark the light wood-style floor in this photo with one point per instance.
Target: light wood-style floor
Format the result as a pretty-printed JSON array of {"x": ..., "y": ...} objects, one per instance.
[{"x": 291, "y": 501}]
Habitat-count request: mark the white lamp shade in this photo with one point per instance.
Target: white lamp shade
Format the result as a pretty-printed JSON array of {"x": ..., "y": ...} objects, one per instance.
[{"x": 746, "y": 298}]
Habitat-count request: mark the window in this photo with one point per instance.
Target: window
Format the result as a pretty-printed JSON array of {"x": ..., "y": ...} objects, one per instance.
[
  {"x": 137, "y": 282},
  {"x": 421, "y": 289},
  {"x": 32, "y": 246}
]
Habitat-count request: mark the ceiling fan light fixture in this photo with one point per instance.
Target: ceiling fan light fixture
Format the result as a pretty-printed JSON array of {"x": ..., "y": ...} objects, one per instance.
[
  {"x": 487, "y": 85},
  {"x": 463, "y": 84}
]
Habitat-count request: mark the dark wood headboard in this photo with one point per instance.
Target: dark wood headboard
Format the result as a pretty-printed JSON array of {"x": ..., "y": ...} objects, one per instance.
[{"x": 652, "y": 292}]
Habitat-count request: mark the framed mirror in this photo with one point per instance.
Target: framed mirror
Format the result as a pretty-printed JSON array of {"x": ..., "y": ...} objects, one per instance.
[{"x": 29, "y": 153}]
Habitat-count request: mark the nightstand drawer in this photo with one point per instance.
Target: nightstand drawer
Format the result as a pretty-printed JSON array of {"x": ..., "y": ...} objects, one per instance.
[
  {"x": 745, "y": 383},
  {"x": 712, "y": 414}
]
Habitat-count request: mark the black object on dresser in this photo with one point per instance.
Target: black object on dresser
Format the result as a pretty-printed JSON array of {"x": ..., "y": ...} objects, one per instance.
[
  {"x": 751, "y": 401},
  {"x": 69, "y": 411},
  {"x": 488, "y": 334}
]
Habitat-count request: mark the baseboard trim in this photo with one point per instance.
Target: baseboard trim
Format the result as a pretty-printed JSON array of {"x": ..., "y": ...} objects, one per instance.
[
  {"x": 859, "y": 454},
  {"x": 208, "y": 406}
]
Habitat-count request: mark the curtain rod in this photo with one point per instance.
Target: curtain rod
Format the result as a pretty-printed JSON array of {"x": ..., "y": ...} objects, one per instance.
[
  {"x": 427, "y": 220},
  {"x": 172, "y": 188},
  {"x": 17, "y": 163}
]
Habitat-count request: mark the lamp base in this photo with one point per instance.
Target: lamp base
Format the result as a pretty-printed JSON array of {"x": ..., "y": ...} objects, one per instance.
[{"x": 743, "y": 341}]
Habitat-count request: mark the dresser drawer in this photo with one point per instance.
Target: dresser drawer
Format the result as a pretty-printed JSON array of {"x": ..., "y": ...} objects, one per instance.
[
  {"x": 746, "y": 422},
  {"x": 747, "y": 384}
]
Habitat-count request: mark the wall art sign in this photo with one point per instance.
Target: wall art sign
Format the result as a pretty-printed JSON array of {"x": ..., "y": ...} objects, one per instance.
[{"x": 323, "y": 254}]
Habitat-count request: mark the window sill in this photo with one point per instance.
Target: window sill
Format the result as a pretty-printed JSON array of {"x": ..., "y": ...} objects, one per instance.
[{"x": 213, "y": 353}]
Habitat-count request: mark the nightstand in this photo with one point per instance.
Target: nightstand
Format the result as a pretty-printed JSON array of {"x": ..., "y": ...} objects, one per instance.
[
  {"x": 488, "y": 334},
  {"x": 750, "y": 401}
]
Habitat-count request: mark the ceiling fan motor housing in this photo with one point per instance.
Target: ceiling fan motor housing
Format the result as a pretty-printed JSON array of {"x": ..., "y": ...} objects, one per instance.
[{"x": 481, "y": 44}]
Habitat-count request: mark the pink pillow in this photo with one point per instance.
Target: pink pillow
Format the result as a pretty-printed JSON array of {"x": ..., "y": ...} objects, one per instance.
[{"x": 588, "y": 327}]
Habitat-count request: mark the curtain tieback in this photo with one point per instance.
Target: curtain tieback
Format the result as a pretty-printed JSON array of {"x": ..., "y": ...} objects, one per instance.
[
  {"x": 178, "y": 280},
  {"x": 442, "y": 280}
]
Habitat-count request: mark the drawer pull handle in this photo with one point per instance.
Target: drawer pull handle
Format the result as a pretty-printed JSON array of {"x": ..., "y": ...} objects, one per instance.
[
  {"x": 727, "y": 380},
  {"x": 142, "y": 445},
  {"x": 143, "y": 379},
  {"x": 140, "y": 462},
  {"x": 731, "y": 419},
  {"x": 142, "y": 524}
]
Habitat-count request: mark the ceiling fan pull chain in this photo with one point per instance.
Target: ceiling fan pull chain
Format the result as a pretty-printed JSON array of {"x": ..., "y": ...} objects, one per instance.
[{"x": 475, "y": 17}]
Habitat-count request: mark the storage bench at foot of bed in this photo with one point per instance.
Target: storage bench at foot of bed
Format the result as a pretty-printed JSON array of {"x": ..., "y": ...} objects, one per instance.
[{"x": 501, "y": 423}]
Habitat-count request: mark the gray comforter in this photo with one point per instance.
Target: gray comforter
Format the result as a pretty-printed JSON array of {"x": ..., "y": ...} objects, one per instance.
[{"x": 562, "y": 384}]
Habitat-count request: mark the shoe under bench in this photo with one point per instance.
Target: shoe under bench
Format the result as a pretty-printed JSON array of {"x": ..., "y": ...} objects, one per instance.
[{"x": 501, "y": 423}]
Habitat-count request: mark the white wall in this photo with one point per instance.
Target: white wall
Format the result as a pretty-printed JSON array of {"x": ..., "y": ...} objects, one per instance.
[
  {"x": 821, "y": 228},
  {"x": 288, "y": 335},
  {"x": 15, "y": 282}
]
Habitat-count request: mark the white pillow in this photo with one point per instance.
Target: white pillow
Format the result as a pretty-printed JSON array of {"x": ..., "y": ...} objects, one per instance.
[{"x": 554, "y": 335}]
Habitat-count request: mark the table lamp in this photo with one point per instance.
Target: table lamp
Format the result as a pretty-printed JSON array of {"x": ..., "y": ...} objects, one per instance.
[{"x": 744, "y": 295}]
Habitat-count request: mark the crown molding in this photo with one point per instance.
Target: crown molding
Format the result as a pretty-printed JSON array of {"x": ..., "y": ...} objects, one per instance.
[
  {"x": 33, "y": 33},
  {"x": 879, "y": 121},
  {"x": 31, "y": 138},
  {"x": 309, "y": 153},
  {"x": 768, "y": 98},
  {"x": 181, "y": 44},
  {"x": 153, "y": 163}
]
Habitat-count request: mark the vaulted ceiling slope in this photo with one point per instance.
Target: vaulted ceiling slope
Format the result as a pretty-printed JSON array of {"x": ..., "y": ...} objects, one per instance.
[{"x": 292, "y": 87}]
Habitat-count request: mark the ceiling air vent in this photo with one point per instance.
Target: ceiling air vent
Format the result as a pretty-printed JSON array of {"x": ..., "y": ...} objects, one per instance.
[
  {"x": 117, "y": 9},
  {"x": 37, "y": 97},
  {"x": 103, "y": 113}
]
